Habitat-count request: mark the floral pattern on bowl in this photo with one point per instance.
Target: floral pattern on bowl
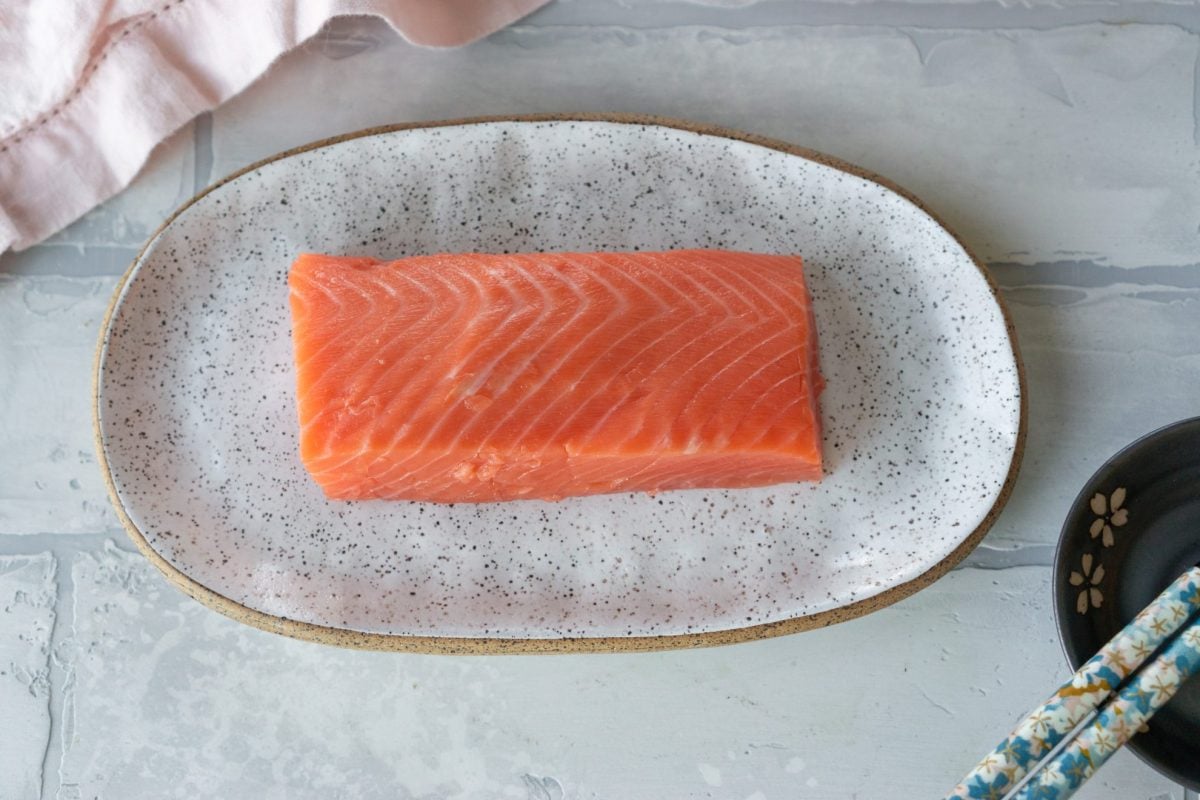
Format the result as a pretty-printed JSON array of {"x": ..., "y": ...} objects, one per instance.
[{"x": 1133, "y": 528}]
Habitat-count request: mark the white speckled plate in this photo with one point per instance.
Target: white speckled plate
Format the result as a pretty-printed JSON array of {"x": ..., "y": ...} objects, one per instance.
[{"x": 196, "y": 420}]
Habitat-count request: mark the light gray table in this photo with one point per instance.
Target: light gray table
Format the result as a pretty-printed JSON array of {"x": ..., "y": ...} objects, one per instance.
[{"x": 1063, "y": 147}]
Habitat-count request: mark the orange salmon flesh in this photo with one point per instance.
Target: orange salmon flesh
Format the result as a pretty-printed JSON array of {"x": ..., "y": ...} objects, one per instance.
[{"x": 471, "y": 378}]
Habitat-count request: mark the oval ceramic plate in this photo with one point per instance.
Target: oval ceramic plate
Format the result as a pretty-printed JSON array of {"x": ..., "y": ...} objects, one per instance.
[
  {"x": 196, "y": 420},
  {"x": 1147, "y": 501}
]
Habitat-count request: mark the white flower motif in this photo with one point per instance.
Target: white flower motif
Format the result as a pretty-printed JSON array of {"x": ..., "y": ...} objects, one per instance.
[
  {"x": 1050, "y": 775},
  {"x": 1164, "y": 688},
  {"x": 1109, "y": 514},
  {"x": 1105, "y": 742},
  {"x": 1140, "y": 650},
  {"x": 1120, "y": 728},
  {"x": 1039, "y": 722},
  {"x": 1089, "y": 595}
]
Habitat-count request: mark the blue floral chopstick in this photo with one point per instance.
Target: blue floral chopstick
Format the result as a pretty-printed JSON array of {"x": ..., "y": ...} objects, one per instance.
[
  {"x": 1147, "y": 692},
  {"x": 1089, "y": 688}
]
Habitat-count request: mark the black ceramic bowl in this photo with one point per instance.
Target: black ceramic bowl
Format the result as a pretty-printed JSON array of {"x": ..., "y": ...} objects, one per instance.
[{"x": 1133, "y": 529}]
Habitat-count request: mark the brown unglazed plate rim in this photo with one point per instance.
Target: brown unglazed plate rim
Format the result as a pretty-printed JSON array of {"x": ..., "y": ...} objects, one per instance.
[{"x": 487, "y": 645}]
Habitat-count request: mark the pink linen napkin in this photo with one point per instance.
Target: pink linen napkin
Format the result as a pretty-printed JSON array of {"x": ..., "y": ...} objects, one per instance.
[{"x": 88, "y": 88}]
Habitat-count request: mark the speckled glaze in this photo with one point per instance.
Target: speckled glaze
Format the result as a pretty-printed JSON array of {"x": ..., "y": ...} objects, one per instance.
[{"x": 196, "y": 420}]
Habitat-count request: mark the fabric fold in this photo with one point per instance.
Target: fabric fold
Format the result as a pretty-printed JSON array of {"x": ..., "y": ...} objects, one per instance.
[{"x": 148, "y": 68}]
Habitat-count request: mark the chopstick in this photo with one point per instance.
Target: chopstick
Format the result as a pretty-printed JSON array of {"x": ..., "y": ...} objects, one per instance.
[
  {"x": 1050, "y": 726},
  {"x": 1122, "y": 717}
]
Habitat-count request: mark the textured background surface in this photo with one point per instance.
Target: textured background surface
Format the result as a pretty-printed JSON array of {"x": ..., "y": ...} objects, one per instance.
[{"x": 1063, "y": 142}]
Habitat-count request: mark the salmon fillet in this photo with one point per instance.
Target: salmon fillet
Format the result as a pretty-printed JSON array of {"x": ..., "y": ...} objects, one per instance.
[{"x": 477, "y": 378}]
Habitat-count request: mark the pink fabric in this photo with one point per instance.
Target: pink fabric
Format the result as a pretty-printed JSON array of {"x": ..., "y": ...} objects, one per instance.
[{"x": 91, "y": 86}]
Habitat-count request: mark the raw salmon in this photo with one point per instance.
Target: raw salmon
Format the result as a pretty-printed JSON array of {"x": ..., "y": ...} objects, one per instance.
[{"x": 475, "y": 378}]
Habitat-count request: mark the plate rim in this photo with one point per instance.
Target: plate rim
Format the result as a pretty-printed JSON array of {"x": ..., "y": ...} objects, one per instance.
[
  {"x": 1062, "y": 613},
  {"x": 478, "y": 645}
]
